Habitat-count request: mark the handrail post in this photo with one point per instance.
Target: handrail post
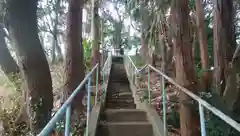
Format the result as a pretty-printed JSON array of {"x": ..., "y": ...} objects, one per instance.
[
  {"x": 126, "y": 63},
  {"x": 68, "y": 121},
  {"x": 88, "y": 103},
  {"x": 164, "y": 106},
  {"x": 97, "y": 73},
  {"x": 149, "y": 86},
  {"x": 132, "y": 74},
  {"x": 103, "y": 88},
  {"x": 135, "y": 76},
  {"x": 202, "y": 120}
]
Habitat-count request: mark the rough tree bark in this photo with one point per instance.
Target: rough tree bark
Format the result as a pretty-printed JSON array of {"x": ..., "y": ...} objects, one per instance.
[
  {"x": 56, "y": 50},
  {"x": 171, "y": 41},
  {"x": 74, "y": 64},
  {"x": 7, "y": 63},
  {"x": 203, "y": 44},
  {"x": 32, "y": 61},
  {"x": 225, "y": 77},
  {"x": 53, "y": 50},
  {"x": 167, "y": 51},
  {"x": 144, "y": 51},
  {"x": 144, "y": 48},
  {"x": 185, "y": 72},
  {"x": 55, "y": 46},
  {"x": 163, "y": 49},
  {"x": 224, "y": 45},
  {"x": 95, "y": 30},
  {"x": 218, "y": 52}
]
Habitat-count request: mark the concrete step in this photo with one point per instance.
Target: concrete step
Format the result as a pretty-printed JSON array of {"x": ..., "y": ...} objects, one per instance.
[
  {"x": 120, "y": 86},
  {"x": 125, "y": 129},
  {"x": 120, "y": 98},
  {"x": 120, "y": 95},
  {"x": 118, "y": 60},
  {"x": 118, "y": 78},
  {"x": 120, "y": 101},
  {"x": 119, "y": 92},
  {"x": 121, "y": 106},
  {"x": 124, "y": 115}
]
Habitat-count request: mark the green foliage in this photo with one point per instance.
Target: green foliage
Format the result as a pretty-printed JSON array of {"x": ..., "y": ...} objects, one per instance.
[
  {"x": 210, "y": 48},
  {"x": 217, "y": 127},
  {"x": 87, "y": 45},
  {"x": 131, "y": 42},
  {"x": 60, "y": 126},
  {"x": 9, "y": 114},
  {"x": 214, "y": 125},
  {"x": 138, "y": 61},
  {"x": 173, "y": 119},
  {"x": 192, "y": 4}
]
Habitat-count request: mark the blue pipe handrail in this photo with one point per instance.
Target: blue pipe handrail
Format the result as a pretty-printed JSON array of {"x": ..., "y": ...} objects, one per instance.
[
  {"x": 66, "y": 107},
  {"x": 131, "y": 68}
]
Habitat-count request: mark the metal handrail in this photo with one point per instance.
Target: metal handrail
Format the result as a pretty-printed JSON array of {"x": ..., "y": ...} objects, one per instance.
[
  {"x": 66, "y": 107},
  {"x": 134, "y": 66},
  {"x": 200, "y": 101},
  {"x": 214, "y": 110},
  {"x": 141, "y": 69}
]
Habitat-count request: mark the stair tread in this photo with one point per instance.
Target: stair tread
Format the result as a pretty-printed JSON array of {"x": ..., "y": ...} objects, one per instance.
[
  {"x": 120, "y": 100},
  {"x": 122, "y": 110},
  {"x": 132, "y": 106},
  {"x": 124, "y": 115},
  {"x": 128, "y": 123},
  {"x": 123, "y": 104},
  {"x": 122, "y": 93}
]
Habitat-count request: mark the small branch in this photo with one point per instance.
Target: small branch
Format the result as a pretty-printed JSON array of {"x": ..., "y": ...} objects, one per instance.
[{"x": 236, "y": 54}]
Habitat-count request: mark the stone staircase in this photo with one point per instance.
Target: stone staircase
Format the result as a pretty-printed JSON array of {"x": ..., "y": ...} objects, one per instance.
[{"x": 120, "y": 116}]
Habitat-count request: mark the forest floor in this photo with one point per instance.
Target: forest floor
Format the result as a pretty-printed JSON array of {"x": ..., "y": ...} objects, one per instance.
[
  {"x": 7, "y": 88},
  {"x": 10, "y": 99}
]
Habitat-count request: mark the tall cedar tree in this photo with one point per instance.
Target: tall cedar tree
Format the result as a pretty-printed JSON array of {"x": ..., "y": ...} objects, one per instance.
[
  {"x": 185, "y": 72},
  {"x": 32, "y": 61}
]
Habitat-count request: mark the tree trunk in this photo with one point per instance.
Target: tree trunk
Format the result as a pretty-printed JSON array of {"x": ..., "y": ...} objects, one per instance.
[
  {"x": 33, "y": 62},
  {"x": 59, "y": 51},
  {"x": 102, "y": 43},
  {"x": 203, "y": 45},
  {"x": 53, "y": 51},
  {"x": 74, "y": 63},
  {"x": 218, "y": 52},
  {"x": 171, "y": 42},
  {"x": 163, "y": 53},
  {"x": 144, "y": 51},
  {"x": 56, "y": 47},
  {"x": 167, "y": 51},
  {"x": 95, "y": 38},
  {"x": 185, "y": 71},
  {"x": 224, "y": 44},
  {"x": 144, "y": 48},
  {"x": 7, "y": 63},
  {"x": 117, "y": 35}
]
